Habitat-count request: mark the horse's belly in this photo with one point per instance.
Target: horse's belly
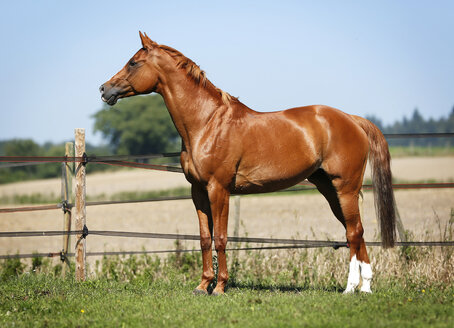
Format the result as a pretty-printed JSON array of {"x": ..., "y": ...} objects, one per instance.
[{"x": 270, "y": 178}]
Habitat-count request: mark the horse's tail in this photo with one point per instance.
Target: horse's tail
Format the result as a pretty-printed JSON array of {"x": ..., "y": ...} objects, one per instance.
[{"x": 379, "y": 159}]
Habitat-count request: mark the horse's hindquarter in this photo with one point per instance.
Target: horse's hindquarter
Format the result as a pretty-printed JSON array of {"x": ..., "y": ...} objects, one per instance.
[
  {"x": 278, "y": 149},
  {"x": 346, "y": 145}
]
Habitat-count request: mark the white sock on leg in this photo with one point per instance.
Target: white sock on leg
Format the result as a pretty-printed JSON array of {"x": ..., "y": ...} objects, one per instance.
[{"x": 353, "y": 276}]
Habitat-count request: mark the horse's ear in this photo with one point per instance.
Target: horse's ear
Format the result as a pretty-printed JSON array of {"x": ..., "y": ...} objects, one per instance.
[{"x": 146, "y": 41}]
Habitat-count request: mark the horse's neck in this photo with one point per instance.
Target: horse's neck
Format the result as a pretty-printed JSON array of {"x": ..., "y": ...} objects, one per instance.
[{"x": 190, "y": 105}]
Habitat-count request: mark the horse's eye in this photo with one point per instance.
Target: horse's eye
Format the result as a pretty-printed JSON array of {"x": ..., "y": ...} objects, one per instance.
[{"x": 132, "y": 63}]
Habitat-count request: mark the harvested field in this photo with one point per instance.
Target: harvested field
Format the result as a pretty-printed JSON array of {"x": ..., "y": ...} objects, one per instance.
[
  {"x": 282, "y": 216},
  {"x": 103, "y": 183}
]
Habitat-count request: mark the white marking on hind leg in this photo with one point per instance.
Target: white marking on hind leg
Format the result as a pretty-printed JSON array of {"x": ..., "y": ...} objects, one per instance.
[
  {"x": 366, "y": 275},
  {"x": 353, "y": 276}
]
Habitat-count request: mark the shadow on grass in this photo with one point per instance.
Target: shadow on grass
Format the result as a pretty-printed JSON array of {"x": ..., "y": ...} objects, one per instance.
[{"x": 283, "y": 288}]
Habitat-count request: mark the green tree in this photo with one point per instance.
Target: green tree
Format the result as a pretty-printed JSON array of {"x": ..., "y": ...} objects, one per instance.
[
  {"x": 27, "y": 147},
  {"x": 417, "y": 124},
  {"x": 137, "y": 126},
  {"x": 377, "y": 121},
  {"x": 20, "y": 147}
]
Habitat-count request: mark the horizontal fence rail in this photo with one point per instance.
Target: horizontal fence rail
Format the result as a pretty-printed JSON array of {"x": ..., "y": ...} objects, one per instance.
[
  {"x": 334, "y": 244},
  {"x": 307, "y": 186},
  {"x": 172, "y": 236},
  {"x": 287, "y": 243},
  {"x": 419, "y": 135}
]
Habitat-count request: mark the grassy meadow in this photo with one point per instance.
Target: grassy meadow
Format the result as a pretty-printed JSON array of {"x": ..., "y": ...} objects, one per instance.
[
  {"x": 40, "y": 301},
  {"x": 413, "y": 287}
]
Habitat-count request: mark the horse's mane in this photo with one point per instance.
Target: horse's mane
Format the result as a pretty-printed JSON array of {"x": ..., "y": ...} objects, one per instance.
[{"x": 193, "y": 70}]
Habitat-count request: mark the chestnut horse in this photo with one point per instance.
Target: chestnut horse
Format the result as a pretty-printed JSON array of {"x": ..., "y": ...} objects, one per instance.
[{"x": 229, "y": 148}]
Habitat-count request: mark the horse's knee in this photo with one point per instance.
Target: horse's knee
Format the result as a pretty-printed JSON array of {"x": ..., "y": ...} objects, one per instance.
[
  {"x": 223, "y": 276},
  {"x": 355, "y": 235},
  {"x": 205, "y": 242},
  {"x": 220, "y": 242}
]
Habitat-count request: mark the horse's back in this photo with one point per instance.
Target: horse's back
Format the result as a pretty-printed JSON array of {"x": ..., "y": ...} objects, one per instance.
[
  {"x": 338, "y": 142},
  {"x": 335, "y": 127}
]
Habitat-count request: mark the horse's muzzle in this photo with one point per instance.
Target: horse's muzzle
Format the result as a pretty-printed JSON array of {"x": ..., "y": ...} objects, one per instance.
[{"x": 109, "y": 94}]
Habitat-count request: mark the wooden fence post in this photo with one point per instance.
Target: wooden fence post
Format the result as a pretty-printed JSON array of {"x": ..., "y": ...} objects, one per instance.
[
  {"x": 80, "y": 213},
  {"x": 67, "y": 175}
]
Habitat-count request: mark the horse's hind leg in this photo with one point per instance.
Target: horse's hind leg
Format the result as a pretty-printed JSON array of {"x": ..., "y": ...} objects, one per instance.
[
  {"x": 343, "y": 200},
  {"x": 359, "y": 260}
]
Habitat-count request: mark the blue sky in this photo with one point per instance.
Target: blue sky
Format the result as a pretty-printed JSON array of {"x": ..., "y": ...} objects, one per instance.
[{"x": 383, "y": 58}]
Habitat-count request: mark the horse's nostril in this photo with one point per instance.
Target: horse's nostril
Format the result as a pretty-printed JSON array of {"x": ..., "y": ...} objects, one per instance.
[{"x": 101, "y": 88}]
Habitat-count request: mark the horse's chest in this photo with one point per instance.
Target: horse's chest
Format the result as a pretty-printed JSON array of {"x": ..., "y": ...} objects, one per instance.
[
  {"x": 191, "y": 168},
  {"x": 200, "y": 168}
]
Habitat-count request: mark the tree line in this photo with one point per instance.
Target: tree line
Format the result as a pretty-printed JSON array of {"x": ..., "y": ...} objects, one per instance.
[
  {"x": 417, "y": 124},
  {"x": 142, "y": 125},
  {"x": 27, "y": 147}
]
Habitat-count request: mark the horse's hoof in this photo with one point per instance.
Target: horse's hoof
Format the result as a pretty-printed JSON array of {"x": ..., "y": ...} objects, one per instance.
[
  {"x": 200, "y": 292},
  {"x": 366, "y": 291},
  {"x": 349, "y": 291},
  {"x": 217, "y": 293}
]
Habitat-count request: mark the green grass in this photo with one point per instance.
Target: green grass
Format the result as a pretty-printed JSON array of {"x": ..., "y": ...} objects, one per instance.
[
  {"x": 413, "y": 287},
  {"x": 40, "y": 300},
  {"x": 39, "y": 198},
  {"x": 143, "y": 195},
  {"x": 36, "y": 198}
]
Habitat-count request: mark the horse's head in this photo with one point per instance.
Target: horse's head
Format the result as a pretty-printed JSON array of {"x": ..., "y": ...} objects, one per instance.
[{"x": 138, "y": 76}]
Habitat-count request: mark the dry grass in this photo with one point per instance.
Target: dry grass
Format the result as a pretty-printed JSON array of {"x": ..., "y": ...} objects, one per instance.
[{"x": 422, "y": 169}]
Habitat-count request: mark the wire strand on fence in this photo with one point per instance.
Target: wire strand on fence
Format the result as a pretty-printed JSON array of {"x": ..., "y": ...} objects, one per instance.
[
  {"x": 89, "y": 158},
  {"x": 335, "y": 246},
  {"x": 418, "y": 135},
  {"x": 31, "y": 208},
  {"x": 256, "y": 240},
  {"x": 145, "y": 166},
  {"x": 15, "y": 161},
  {"x": 306, "y": 187}
]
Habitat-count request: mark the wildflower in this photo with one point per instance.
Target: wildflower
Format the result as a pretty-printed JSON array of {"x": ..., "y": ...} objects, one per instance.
[
  {"x": 82, "y": 311},
  {"x": 410, "y": 299},
  {"x": 423, "y": 291}
]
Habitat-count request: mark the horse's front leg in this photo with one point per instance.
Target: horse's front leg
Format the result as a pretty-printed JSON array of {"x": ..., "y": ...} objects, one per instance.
[
  {"x": 202, "y": 205},
  {"x": 219, "y": 201}
]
